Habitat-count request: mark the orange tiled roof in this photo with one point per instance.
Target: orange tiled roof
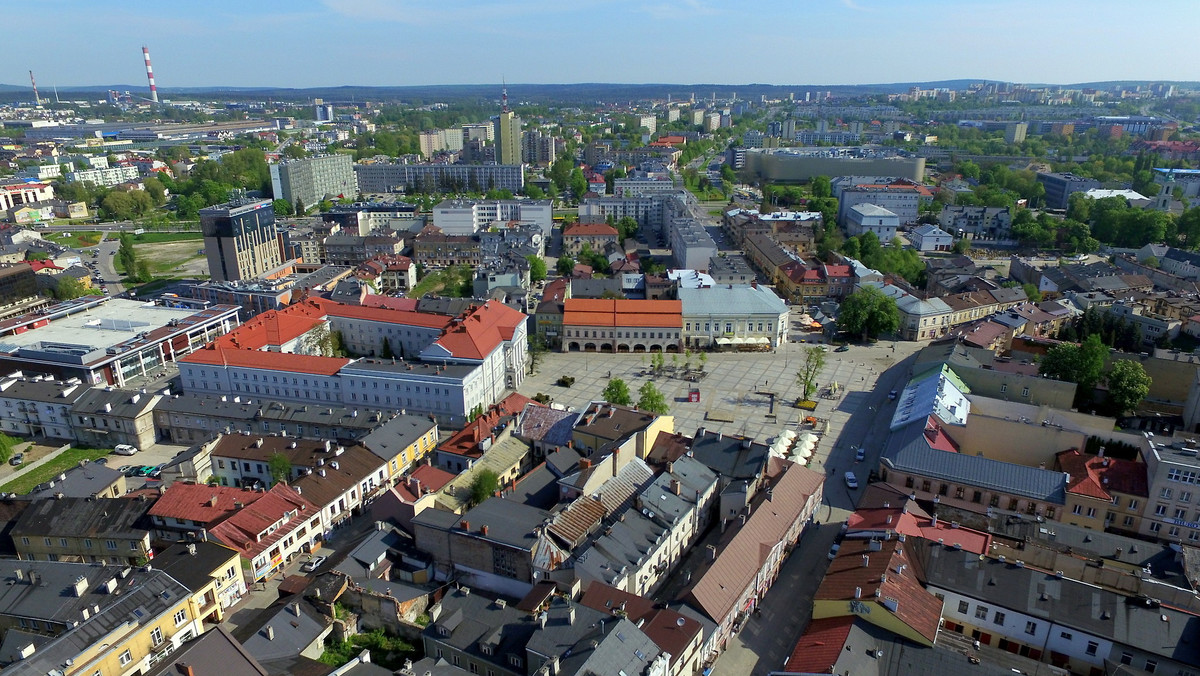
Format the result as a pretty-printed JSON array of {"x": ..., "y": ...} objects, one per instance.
[
  {"x": 200, "y": 502},
  {"x": 589, "y": 230},
  {"x": 481, "y": 330},
  {"x": 618, "y": 312},
  {"x": 1094, "y": 477}
]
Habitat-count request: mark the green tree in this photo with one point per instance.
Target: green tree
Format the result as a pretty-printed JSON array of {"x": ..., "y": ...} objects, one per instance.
[
  {"x": 1080, "y": 364},
  {"x": 617, "y": 392},
  {"x": 300, "y": 210},
  {"x": 155, "y": 189},
  {"x": 282, "y": 207},
  {"x": 962, "y": 246},
  {"x": 814, "y": 361},
  {"x": 385, "y": 352},
  {"x": 126, "y": 255},
  {"x": 1128, "y": 385},
  {"x": 118, "y": 205},
  {"x": 822, "y": 187},
  {"x": 565, "y": 265},
  {"x": 484, "y": 486},
  {"x": 537, "y": 267},
  {"x": 280, "y": 468},
  {"x": 650, "y": 399},
  {"x": 142, "y": 272},
  {"x": 627, "y": 226},
  {"x": 1032, "y": 292},
  {"x": 578, "y": 183},
  {"x": 68, "y": 288},
  {"x": 533, "y": 192},
  {"x": 869, "y": 312}
]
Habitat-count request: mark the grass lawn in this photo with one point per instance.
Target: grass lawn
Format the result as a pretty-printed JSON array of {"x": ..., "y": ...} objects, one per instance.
[
  {"x": 153, "y": 237},
  {"x": 69, "y": 458},
  {"x": 165, "y": 256},
  {"x": 450, "y": 282},
  {"x": 75, "y": 240}
]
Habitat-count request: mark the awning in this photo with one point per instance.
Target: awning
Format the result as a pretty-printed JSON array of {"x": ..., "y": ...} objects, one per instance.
[
  {"x": 722, "y": 341},
  {"x": 737, "y": 341},
  {"x": 759, "y": 341}
]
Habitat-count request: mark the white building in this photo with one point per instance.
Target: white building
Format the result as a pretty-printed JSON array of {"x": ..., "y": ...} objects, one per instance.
[
  {"x": 733, "y": 315},
  {"x": 863, "y": 218},
  {"x": 466, "y": 217},
  {"x": 930, "y": 238},
  {"x": 108, "y": 176}
]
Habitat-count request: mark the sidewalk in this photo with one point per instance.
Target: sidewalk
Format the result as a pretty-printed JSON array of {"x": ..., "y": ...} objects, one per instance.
[{"x": 8, "y": 472}]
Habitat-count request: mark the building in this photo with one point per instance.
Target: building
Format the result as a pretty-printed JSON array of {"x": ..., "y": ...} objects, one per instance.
[
  {"x": 106, "y": 341},
  {"x": 387, "y": 177},
  {"x": 276, "y": 528},
  {"x": 865, "y": 217},
  {"x": 41, "y": 212},
  {"x": 363, "y": 218},
  {"x": 622, "y": 325},
  {"x": 240, "y": 239},
  {"x": 85, "y": 530},
  {"x": 930, "y": 238},
  {"x": 977, "y": 222},
  {"x": 467, "y": 217},
  {"x": 388, "y": 275},
  {"x": 508, "y": 138},
  {"x": 434, "y": 249},
  {"x": 213, "y": 653},
  {"x": 105, "y": 417},
  {"x": 310, "y": 180},
  {"x": 211, "y": 571},
  {"x": 402, "y": 443},
  {"x": 678, "y": 635},
  {"x": 1014, "y": 132},
  {"x": 919, "y": 319},
  {"x": 733, "y": 316},
  {"x": 1059, "y": 187},
  {"x": 107, "y": 176},
  {"x": 596, "y": 236},
  {"x": 190, "y": 419},
  {"x": 66, "y": 618},
  {"x": 1103, "y": 493},
  {"x": 185, "y": 509},
  {"x": 798, "y": 164},
  {"x": 38, "y": 406},
  {"x": 730, "y": 269},
  {"x": 691, "y": 245},
  {"x": 272, "y": 292}
]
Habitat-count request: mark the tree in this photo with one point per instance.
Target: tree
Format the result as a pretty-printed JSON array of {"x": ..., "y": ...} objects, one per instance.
[
  {"x": 650, "y": 399},
  {"x": 617, "y": 392},
  {"x": 537, "y": 267},
  {"x": 386, "y": 351},
  {"x": 1032, "y": 292},
  {"x": 962, "y": 246},
  {"x": 814, "y": 361},
  {"x": 155, "y": 189},
  {"x": 565, "y": 265},
  {"x": 280, "y": 467},
  {"x": 142, "y": 272},
  {"x": 627, "y": 226},
  {"x": 1128, "y": 385},
  {"x": 283, "y": 207},
  {"x": 68, "y": 288},
  {"x": 578, "y": 183},
  {"x": 534, "y": 193},
  {"x": 1080, "y": 364},
  {"x": 822, "y": 187},
  {"x": 484, "y": 486},
  {"x": 300, "y": 210},
  {"x": 868, "y": 312},
  {"x": 537, "y": 350},
  {"x": 126, "y": 255}
]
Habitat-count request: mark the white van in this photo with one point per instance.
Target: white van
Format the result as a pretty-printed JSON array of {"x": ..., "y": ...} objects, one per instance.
[{"x": 125, "y": 449}]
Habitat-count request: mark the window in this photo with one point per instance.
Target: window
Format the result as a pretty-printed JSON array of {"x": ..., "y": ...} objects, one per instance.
[
  {"x": 133, "y": 545},
  {"x": 155, "y": 636},
  {"x": 998, "y": 618},
  {"x": 180, "y": 617},
  {"x": 1126, "y": 658},
  {"x": 24, "y": 540},
  {"x": 1092, "y": 648},
  {"x": 1133, "y": 504},
  {"x": 126, "y": 658},
  {"x": 62, "y": 542},
  {"x": 1173, "y": 531},
  {"x": 111, "y": 544},
  {"x": 47, "y": 540},
  {"x": 1003, "y": 388},
  {"x": 1165, "y": 494},
  {"x": 515, "y": 660},
  {"x": 1091, "y": 512},
  {"x": 1155, "y": 527},
  {"x": 1185, "y": 496},
  {"x": 1077, "y": 509},
  {"x": 1065, "y": 635},
  {"x": 1025, "y": 392},
  {"x": 1031, "y": 628},
  {"x": 1151, "y": 666},
  {"x": 981, "y": 612},
  {"x": 1160, "y": 510},
  {"x": 963, "y": 607}
]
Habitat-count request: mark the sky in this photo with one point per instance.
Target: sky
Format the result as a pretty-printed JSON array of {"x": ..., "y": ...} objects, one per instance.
[{"x": 319, "y": 43}]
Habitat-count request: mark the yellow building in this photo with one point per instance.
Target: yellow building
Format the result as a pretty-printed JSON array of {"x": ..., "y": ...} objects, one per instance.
[
  {"x": 1103, "y": 492},
  {"x": 211, "y": 571},
  {"x": 605, "y": 426},
  {"x": 402, "y": 442},
  {"x": 92, "y": 629}
]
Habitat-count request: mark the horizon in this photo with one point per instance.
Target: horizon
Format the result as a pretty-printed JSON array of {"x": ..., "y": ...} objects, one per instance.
[{"x": 316, "y": 44}]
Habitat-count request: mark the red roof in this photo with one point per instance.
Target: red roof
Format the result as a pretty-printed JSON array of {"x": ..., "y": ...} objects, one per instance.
[
  {"x": 899, "y": 521},
  {"x": 936, "y": 437},
  {"x": 555, "y": 291},
  {"x": 212, "y": 355},
  {"x": 821, "y": 645},
  {"x": 42, "y": 265},
  {"x": 589, "y": 230},
  {"x": 201, "y": 503},
  {"x": 466, "y": 441},
  {"x": 481, "y": 330},
  {"x": 422, "y": 479},
  {"x": 391, "y": 302},
  {"x": 620, "y": 312},
  {"x": 1094, "y": 477},
  {"x": 242, "y": 530},
  {"x": 671, "y": 631}
]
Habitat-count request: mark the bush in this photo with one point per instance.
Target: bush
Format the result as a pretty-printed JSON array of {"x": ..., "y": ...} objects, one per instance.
[{"x": 565, "y": 381}]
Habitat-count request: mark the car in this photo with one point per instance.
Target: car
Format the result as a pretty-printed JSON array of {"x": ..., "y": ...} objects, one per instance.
[
  {"x": 851, "y": 480},
  {"x": 101, "y": 461},
  {"x": 17, "y": 459},
  {"x": 833, "y": 551},
  {"x": 892, "y": 395},
  {"x": 125, "y": 449},
  {"x": 312, "y": 564},
  {"x": 145, "y": 470},
  {"x": 860, "y": 454},
  {"x": 842, "y": 348},
  {"x": 156, "y": 471},
  {"x": 124, "y": 469}
]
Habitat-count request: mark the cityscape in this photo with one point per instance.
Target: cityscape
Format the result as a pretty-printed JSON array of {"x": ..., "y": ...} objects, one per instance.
[{"x": 451, "y": 366}]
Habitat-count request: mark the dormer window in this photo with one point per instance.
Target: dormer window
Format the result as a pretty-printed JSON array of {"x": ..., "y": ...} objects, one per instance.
[
  {"x": 485, "y": 648},
  {"x": 443, "y": 630}
]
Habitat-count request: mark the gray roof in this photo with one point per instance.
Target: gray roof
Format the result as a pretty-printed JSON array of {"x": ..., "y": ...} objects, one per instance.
[
  {"x": 16, "y": 640},
  {"x": 295, "y": 626},
  {"x": 352, "y": 419},
  {"x": 84, "y": 517},
  {"x": 509, "y": 522},
  {"x": 868, "y": 209},
  {"x": 146, "y": 599},
  {"x": 194, "y": 564},
  {"x": 732, "y": 299},
  {"x": 545, "y": 424},
  {"x": 594, "y": 288},
  {"x": 730, "y": 456},
  {"x": 214, "y": 653},
  {"x": 439, "y": 667},
  {"x": 121, "y": 403},
  {"x": 908, "y": 451},
  {"x": 46, "y": 391},
  {"x": 397, "y": 434},
  {"x": 369, "y": 554},
  {"x": 82, "y": 481},
  {"x": 1070, "y": 603}
]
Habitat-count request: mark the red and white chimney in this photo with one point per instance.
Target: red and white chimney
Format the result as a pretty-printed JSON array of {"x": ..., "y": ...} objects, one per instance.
[{"x": 150, "y": 75}]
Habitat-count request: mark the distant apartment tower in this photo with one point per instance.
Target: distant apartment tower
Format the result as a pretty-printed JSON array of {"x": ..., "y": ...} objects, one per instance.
[
  {"x": 537, "y": 147},
  {"x": 478, "y": 132},
  {"x": 648, "y": 122},
  {"x": 240, "y": 239},
  {"x": 1014, "y": 132},
  {"x": 311, "y": 179},
  {"x": 324, "y": 112},
  {"x": 1059, "y": 187},
  {"x": 508, "y": 138}
]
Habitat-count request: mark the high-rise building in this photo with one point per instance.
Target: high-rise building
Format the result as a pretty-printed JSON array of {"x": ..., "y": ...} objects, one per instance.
[
  {"x": 508, "y": 138},
  {"x": 240, "y": 239},
  {"x": 311, "y": 179},
  {"x": 324, "y": 112},
  {"x": 1014, "y": 132}
]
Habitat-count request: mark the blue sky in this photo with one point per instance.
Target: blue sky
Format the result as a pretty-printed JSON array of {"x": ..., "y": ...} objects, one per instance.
[{"x": 307, "y": 43}]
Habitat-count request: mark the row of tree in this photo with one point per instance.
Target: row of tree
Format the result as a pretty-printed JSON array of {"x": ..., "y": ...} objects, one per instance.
[
  {"x": 649, "y": 397},
  {"x": 1083, "y": 364}
]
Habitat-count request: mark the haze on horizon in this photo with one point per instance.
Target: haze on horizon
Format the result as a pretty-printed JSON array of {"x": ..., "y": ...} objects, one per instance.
[{"x": 320, "y": 43}]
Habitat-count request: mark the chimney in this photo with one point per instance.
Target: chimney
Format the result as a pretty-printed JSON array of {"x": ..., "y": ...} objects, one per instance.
[
  {"x": 675, "y": 486},
  {"x": 185, "y": 669},
  {"x": 270, "y": 633},
  {"x": 571, "y": 615},
  {"x": 19, "y": 573},
  {"x": 866, "y": 561},
  {"x": 584, "y": 463},
  {"x": 295, "y": 608},
  {"x": 466, "y": 525},
  {"x": 933, "y": 521},
  {"x": 191, "y": 548},
  {"x": 483, "y": 530},
  {"x": 858, "y": 592}
]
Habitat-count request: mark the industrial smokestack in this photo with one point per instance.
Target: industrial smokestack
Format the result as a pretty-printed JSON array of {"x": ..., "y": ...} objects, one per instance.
[
  {"x": 37, "y": 99},
  {"x": 150, "y": 75}
]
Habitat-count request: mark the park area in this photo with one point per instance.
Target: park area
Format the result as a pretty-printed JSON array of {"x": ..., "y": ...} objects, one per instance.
[
  {"x": 76, "y": 240},
  {"x": 454, "y": 281}
]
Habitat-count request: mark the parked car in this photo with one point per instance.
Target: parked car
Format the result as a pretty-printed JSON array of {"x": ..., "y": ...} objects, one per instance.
[
  {"x": 145, "y": 470},
  {"x": 833, "y": 551},
  {"x": 842, "y": 348},
  {"x": 860, "y": 454},
  {"x": 17, "y": 459},
  {"x": 312, "y": 564},
  {"x": 124, "y": 469},
  {"x": 125, "y": 449},
  {"x": 156, "y": 471},
  {"x": 892, "y": 395},
  {"x": 851, "y": 480}
]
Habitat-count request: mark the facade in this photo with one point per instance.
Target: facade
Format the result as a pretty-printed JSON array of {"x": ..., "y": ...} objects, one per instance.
[
  {"x": 107, "y": 177},
  {"x": 211, "y": 571},
  {"x": 240, "y": 239},
  {"x": 919, "y": 319},
  {"x": 278, "y": 527},
  {"x": 622, "y": 325},
  {"x": 691, "y": 245},
  {"x": 15, "y": 192},
  {"x": 312, "y": 179},
  {"x": 1104, "y": 493},
  {"x": 1059, "y": 187},
  {"x": 866, "y": 217},
  {"x": 467, "y": 217},
  {"x": 381, "y": 177},
  {"x": 38, "y": 407},
  {"x": 596, "y": 236},
  {"x": 901, "y": 198},
  {"x": 730, "y": 269},
  {"x": 344, "y": 249},
  {"x": 977, "y": 222},
  {"x": 435, "y": 249},
  {"x": 40, "y": 212},
  {"x": 1171, "y": 475},
  {"x": 508, "y": 138},
  {"x": 388, "y": 274},
  {"x": 930, "y": 238},
  {"x": 733, "y": 315},
  {"x": 363, "y": 218},
  {"x": 84, "y": 530},
  {"x": 105, "y": 417}
]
